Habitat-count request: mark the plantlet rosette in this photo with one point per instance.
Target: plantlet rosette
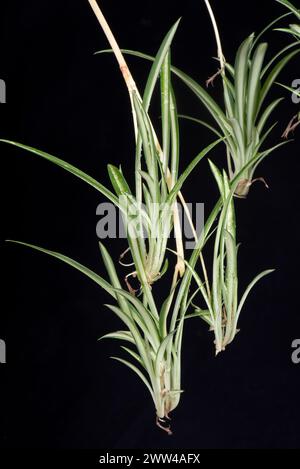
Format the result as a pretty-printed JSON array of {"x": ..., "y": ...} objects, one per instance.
[{"x": 243, "y": 117}]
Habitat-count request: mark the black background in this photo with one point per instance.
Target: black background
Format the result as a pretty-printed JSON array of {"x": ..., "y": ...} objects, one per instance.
[{"x": 59, "y": 389}]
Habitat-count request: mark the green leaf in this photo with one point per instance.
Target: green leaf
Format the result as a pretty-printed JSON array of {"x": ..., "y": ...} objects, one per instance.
[
  {"x": 139, "y": 342},
  {"x": 292, "y": 90},
  {"x": 266, "y": 114},
  {"x": 206, "y": 99},
  {"x": 199, "y": 283},
  {"x": 296, "y": 29},
  {"x": 277, "y": 56},
  {"x": 287, "y": 30},
  {"x": 67, "y": 260},
  {"x": 114, "y": 280},
  {"x": 150, "y": 321},
  {"x": 290, "y": 6},
  {"x": 174, "y": 137},
  {"x": 203, "y": 123},
  {"x": 229, "y": 97},
  {"x": 156, "y": 68},
  {"x": 263, "y": 137},
  {"x": 134, "y": 355},
  {"x": 254, "y": 86},
  {"x": 165, "y": 268},
  {"x": 240, "y": 141},
  {"x": 161, "y": 352},
  {"x": 119, "y": 335},
  {"x": 190, "y": 168},
  {"x": 150, "y": 150},
  {"x": 165, "y": 86},
  {"x": 269, "y": 26},
  {"x": 137, "y": 329},
  {"x": 152, "y": 186},
  {"x": 165, "y": 311},
  {"x": 241, "y": 74},
  {"x": 180, "y": 305},
  {"x": 248, "y": 290},
  {"x": 230, "y": 69},
  {"x": 273, "y": 75},
  {"x": 137, "y": 371},
  {"x": 218, "y": 177},
  {"x": 147, "y": 97},
  {"x": 157, "y": 65},
  {"x": 203, "y": 314},
  {"x": 118, "y": 181},
  {"x": 198, "y": 90},
  {"x": 68, "y": 167},
  {"x": 231, "y": 272},
  {"x": 260, "y": 157}
]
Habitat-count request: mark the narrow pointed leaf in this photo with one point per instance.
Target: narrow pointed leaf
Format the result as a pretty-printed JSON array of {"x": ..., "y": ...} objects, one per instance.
[
  {"x": 290, "y": 6},
  {"x": 133, "y": 354},
  {"x": 68, "y": 167},
  {"x": 190, "y": 168},
  {"x": 274, "y": 74},
  {"x": 137, "y": 371},
  {"x": 266, "y": 114},
  {"x": 67, "y": 260},
  {"x": 157, "y": 65},
  {"x": 241, "y": 68},
  {"x": 249, "y": 288},
  {"x": 165, "y": 91},
  {"x": 119, "y": 335},
  {"x": 139, "y": 341},
  {"x": 254, "y": 86},
  {"x": 118, "y": 181},
  {"x": 161, "y": 352},
  {"x": 114, "y": 279},
  {"x": 203, "y": 123},
  {"x": 198, "y": 90}
]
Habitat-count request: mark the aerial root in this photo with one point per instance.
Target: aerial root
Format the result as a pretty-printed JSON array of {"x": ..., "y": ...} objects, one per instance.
[
  {"x": 260, "y": 180},
  {"x": 211, "y": 80},
  {"x": 165, "y": 429},
  {"x": 131, "y": 290},
  {"x": 292, "y": 125},
  {"x": 122, "y": 256}
]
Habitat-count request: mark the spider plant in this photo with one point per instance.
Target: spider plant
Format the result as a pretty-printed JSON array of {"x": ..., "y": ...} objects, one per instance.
[
  {"x": 243, "y": 117},
  {"x": 153, "y": 330},
  {"x": 149, "y": 213}
]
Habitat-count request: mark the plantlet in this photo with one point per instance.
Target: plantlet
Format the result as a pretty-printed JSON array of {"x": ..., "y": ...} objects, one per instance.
[
  {"x": 223, "y": 309},
  {"x": 244, "y": 116}
]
